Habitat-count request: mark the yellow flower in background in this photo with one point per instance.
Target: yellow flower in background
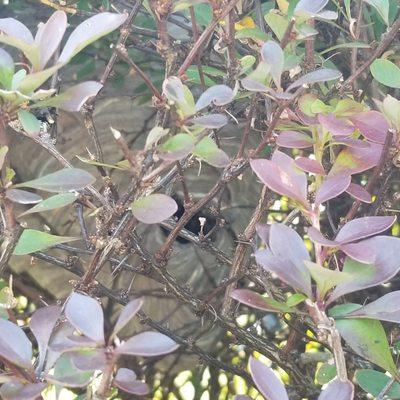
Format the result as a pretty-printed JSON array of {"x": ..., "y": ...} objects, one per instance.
[
  {"x": 283, "y": 5},
  {"x": 245, "y": 23}
]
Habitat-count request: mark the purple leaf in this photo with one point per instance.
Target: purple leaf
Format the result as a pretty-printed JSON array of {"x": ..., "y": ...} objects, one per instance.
[
  {"x": 263, "y": 231},
  {"x": 358, "y": 144},
  {"x": 384, "y": 266},
  {"x": 361, "y": 228},
  {"x": 18, "y": 30},
  {"x": 86, "y": 315},
  {"x": 125, "y": 380},
  {"x": 359, "y": 193},
  {"x": 311, "y": 6},
  {"x": 127, "y": 313},
  {"x": 89, "y": 31},
  {"x": 22, "y": 196},
  {"x": 337, "y": 389},
  {"x": 372, "y": 125},
  {"x": 309, "y": 165},
  {"x": 317, "y": 237},
  {"x": 336, "y": 126},
  {"x": 255, "y": 300},
  {"x": 386, "y": 308},
  {"x": 358, "y": 252},
  {"x": 294, "y": 140},
  {"x": 210, "y": 121},
  {"x": 218, "y": 94},
  {"x": 353, "y": 160},
  {"x": 148, "y": 344},
  {"x": 331, "y": 187},
  {"x": 253, "y": 86},
  {"x": 15, "y": 390},
  {"x": 319, "y": 75},
  {"x": 89, "y": 360},
  {"x": 266, "y": 381},
  {"x": 286, "y": 257},
  {"x": 154, "y": 208},
  {"x": 42, "y": 324},
  {"x": 272, "y": 54},
  {"x": 241, "y": 397},
  {"x": 49, "y": 36},
  {"x": 14, "y": 344},
  {"x": 282, "y": 176},
  {"x": 74, "y": 97}
]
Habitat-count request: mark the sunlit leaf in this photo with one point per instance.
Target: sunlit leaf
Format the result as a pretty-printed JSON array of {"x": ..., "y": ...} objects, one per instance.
[
  {"x": 89, "y": 31},
  {"x": 61, "y": 181},
  {"x": 372, "y": 125},
  {"x": 86, "y": 315},
  {"x": 154, "y": 208},
  {"x": 32, "y": 240},
  {"x": 266, "y": 381},
  {"x": 148, "y": 344},
  {"x": 336, "y": 126}
]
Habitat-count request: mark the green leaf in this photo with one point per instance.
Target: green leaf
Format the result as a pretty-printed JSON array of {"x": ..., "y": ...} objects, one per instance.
[
  {"x": 32, "y": 240},
  {"x": 176, "y": 147},
  {"x": 61, "y": 181},
  {"x": 277, "y": 23},
  {"x": 373, "y": 382},
  {"x": 208, "y": 151},
  {"x": 382, "y": 7},
  {"x": 325, "y": 373},
  {"x": 100, "y": 164},
  {"x": 3, "y": 154},
  {"x": 295, "y": 299},
  {"x": 341, "y": 310},
  {"x": 255, "y": 34},
  {"x": 7, "y": 299},
  {"x": 386, "y": 72},
  {"x": 31, "y": 51},
  {"x": 6, "y": 69},
  {"x": 349, "y": 45},
  {"x": 29, "y": 122},
  {"x": 368, "y": 339},
  {"x": 33, "y": 81},
  {"x": 203, "y": 14},
  {"x": 52, "y": 203}
]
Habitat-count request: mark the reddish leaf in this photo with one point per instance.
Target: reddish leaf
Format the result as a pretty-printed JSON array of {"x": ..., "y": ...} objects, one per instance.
[
  {"x": 294, "y": 140},
  {"x": 125, "y": 380},
  {"x": 22, "y": 196},
  {"x": 154, "y": 208},
  {"x": 255, "y": 300},
  {"x": 89, "y": 360},
  {"x": 148, "y": 344},
  {"x": 86, "y": 315},
  {"x": 210, "y": 121},
  {"x": 336, "y": 126},
  {"x": 173, "y": 89},
  {"x": 309, "y": 165},
  {"x": 316, "y": 236},
  {"x": 372, "y": 124},
  {"x": 15, "y": 390},
  {"x": 359, "y": 193},
  {"x": 337, "y": 389},
  {"x": 266, "y": 381},
  {"x": 319, "y": 75},
  {"x": 331, "y": 187},
  {"x": 127, "y": 313}
]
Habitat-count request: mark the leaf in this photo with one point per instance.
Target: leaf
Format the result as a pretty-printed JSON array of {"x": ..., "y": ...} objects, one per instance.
[
  {"x": 285, "y": 257},
  {"x": 361, "y": 228},
  {"x": 6, "y": 69},
  {"x": 255, "y": 300},
  {"x": 89, "y": 31},
  {"x": 208, "y": 151},
  {"x": 368, "y": 339},
  {"x": 34, "y": 80},
  {"x": 125, "y": 379},
  {"x": 176, "y": 147},
  {"x": 272, "y": 54},
  {"x": 157, "y": 133},
  {"x": 385, "y": 265},
  {"x": 75, "y": 97},
  {"x": 22, "y": 196},
  {"x": 319, "y": 75},
  {"x": 218, "y": 95},
  {"x": 173, "y": 89},
  {"x": 372, "y": 125},
  {"x": 32, "y": 240},
  {"x": 332, "y": 187},
  {"x": 373, "y": 382},
  {"x": 3, "y": 155},
  {"x": 127, "y": 313},
  {"x": 294, "y": 140},
  {"x": 147, "y": 344},
  {"x": 311, "y": 6},
  {"x": 89, "y": 359},
  {"x": 15, "y": 390},
  {"x": 386, "y": 72},
  {"x": 61, "y": 181},
  {"x": 29, "y": 122},
  {"x": 266, "y": 381},
  {"x": 210, "y": 121},
  {"x": 52, "y": 203},
  {"x": 86, "y": 315},
  {"x": 309, "y": 165},
  {"x": 14, "y": 344},
  {"x": 385, "y": 308},
  {"x": 337, "y": 389},
  {"x": 49, "y": 36},
  {"x": 325, "y": 373},
  {"x": 154, "y": 208},
  {"x": 359, "y": 193},
  {"x": 391, "y": 108},
  {"x": 382, "y": 6},
  {"x": 295, "y": 299},
  {"x": 42, "y": 324},
  {"x": 336, "y": 126}
]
